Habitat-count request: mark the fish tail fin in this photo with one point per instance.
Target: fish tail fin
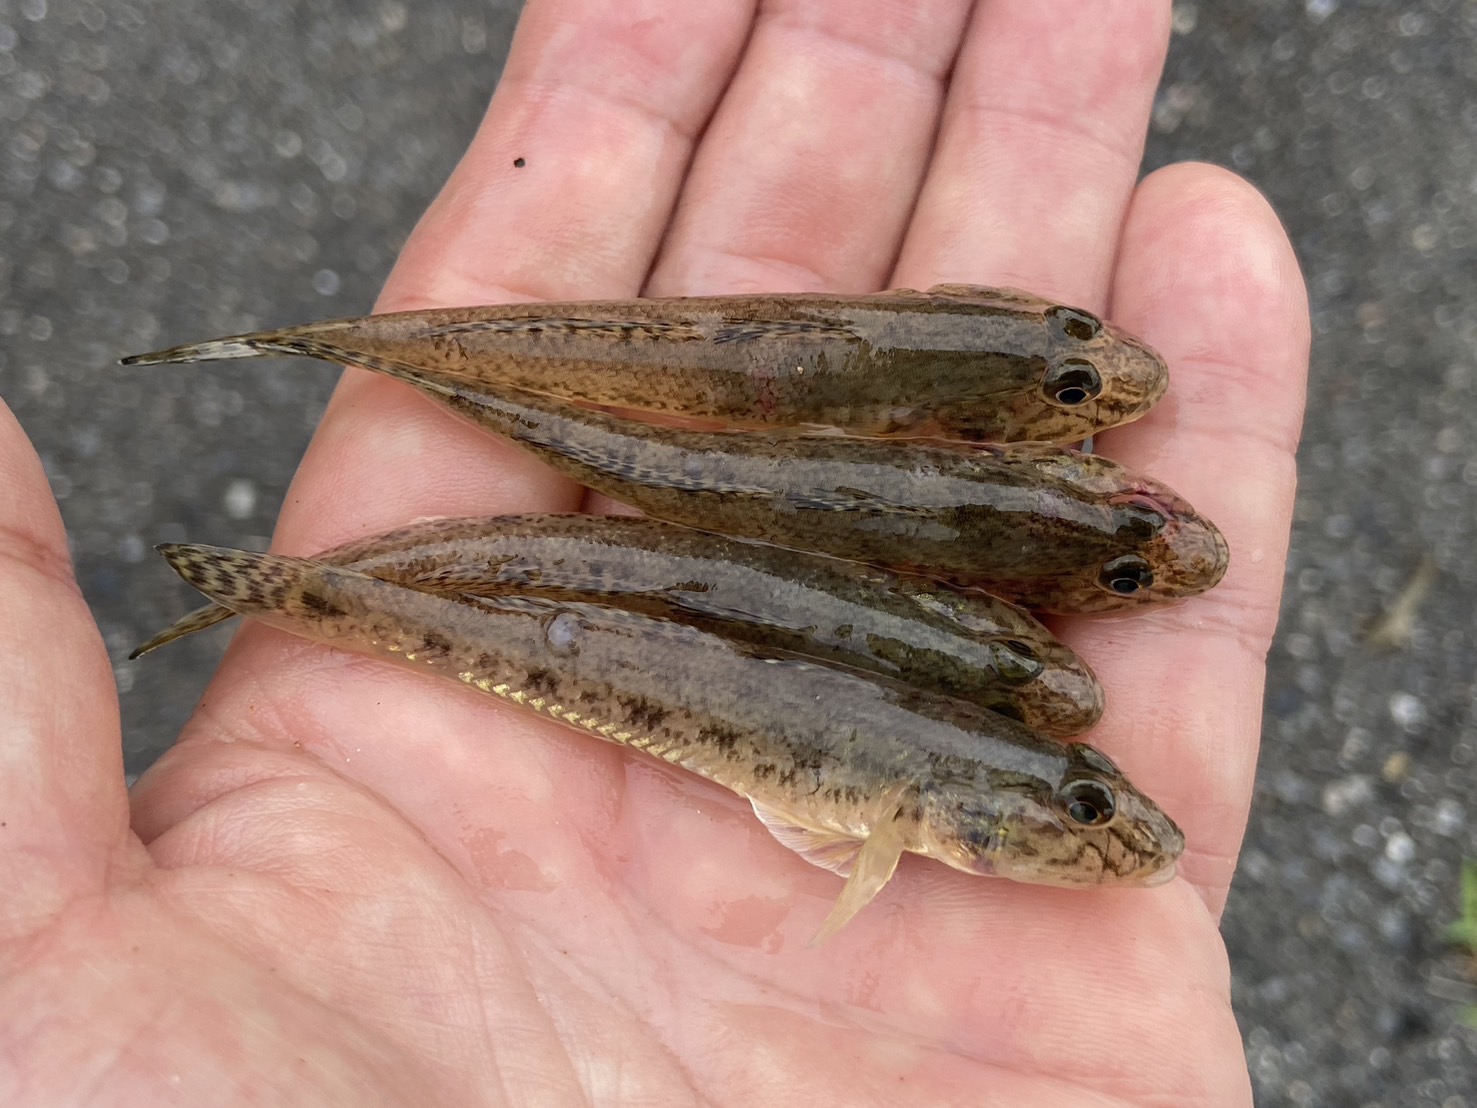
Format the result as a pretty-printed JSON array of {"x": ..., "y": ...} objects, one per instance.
[
  {"x": 265, "y": 344},
  {"x": 873, "y": 868},
  {"x": 198, "y": 620},
  {"x": 297, "y": 343},
  {"x": 333, "y": 340}
]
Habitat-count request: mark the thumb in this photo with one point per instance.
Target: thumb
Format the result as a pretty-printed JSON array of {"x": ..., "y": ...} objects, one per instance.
[{"x": 63, "y": 806}]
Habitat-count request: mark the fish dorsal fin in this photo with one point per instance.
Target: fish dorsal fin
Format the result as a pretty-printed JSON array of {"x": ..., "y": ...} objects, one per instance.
[
  {"x": 874, "y": 866},
  {"x": 828, "y": 849}
]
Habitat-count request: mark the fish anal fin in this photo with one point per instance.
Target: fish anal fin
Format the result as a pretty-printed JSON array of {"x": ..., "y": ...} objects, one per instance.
[
  {"x": 828, "y": 849},
  {"x": 197, "y": 620},
  {"x": 875, "y": 864}
]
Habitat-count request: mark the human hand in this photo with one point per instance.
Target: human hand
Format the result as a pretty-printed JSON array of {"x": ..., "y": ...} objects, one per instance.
[{"x": 349, "y": 884}]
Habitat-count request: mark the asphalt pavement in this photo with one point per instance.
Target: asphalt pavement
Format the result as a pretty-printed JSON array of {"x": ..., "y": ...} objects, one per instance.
[{"x": 172, "y": 169}]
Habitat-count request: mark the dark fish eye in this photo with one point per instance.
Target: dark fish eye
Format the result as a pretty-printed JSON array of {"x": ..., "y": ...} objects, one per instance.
[
  {"x": 1015, "y": 661},
  {"x": 1143, "y": 523},
  {"x": 1074, "y": 322},
  {"x": 1009, "y": 711},
  {"x": 1126, "y": 575},
  {"x": 1074, "y": 381},
  {"x": 1088, "y": 802}
]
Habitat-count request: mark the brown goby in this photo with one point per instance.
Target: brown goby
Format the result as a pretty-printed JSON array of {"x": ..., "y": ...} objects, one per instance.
[
  {"x": 965, "y": 644},
  {"x": 1047, "y": 527},
  {"x": 849, "y": 770},
  {"x": 958, "y": 361}
]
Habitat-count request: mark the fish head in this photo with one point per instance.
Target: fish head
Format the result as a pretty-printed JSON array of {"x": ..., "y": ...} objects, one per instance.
[
  {"x": 1063, "y": 697},
  {"x": 1092, "y": 376},
  {"x": 1157, "y": 548},
  {"x": 1086, "y": 826},
  {"x": 1172, "y": 551},
  {"x": 1065, "y": 700},
  {"x": 1134, "y": 540},
  {"x": 1099, "y": 373}
]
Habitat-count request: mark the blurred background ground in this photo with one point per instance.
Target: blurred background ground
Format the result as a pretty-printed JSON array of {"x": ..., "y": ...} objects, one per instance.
[{"x": 172, "y": 169}]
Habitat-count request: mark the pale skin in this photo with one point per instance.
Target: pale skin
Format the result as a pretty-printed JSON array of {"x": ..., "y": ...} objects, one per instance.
[{"x": 353, "y": 884}]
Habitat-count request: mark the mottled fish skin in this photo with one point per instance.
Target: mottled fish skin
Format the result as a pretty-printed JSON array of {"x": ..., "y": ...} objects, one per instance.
[
  {"x": 1049, "y": 528},
  {"x": 812, "y": 746},
  {"x": 968, "y": 645},
  {"x": 958, "y": 361}
]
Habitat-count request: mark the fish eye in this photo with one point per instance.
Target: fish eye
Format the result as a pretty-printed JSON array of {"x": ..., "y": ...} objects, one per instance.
[
  {"x": 1093, "y": 758},
  {"x": 1143, "y": 523},
  {"x": 1126, "y": 575},
  {"x": 1075, "y": 381},
  {"x": 1074, "y": 322},
  {"x": 1009, "y": 711},
  {"x": 1015, "y": 661},
  {"x": 1088, "y": 802}
]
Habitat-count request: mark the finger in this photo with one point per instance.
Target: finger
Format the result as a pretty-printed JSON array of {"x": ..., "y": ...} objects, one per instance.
[
  {"x": 1207, "y": 275},
  {"x": 1039, "y": 148},
  {"x": 601, "y": 104},
  {"x": 63, "y": 809},
  {"x": 806, "y": 175}
]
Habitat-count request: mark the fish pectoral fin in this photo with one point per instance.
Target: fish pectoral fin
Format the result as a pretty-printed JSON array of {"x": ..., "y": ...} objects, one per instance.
[
  {"x": 867, "y": 864},
  {"x": 875, "y": 863},
  {"x": 828, "y": 849}
]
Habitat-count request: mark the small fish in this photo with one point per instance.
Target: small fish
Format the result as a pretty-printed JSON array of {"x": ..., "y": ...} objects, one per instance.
[
  {"x": 958, "y": 361},
  {"x": 965, "y": 644},
  {"x": 847, "y": 770},
  {"x": 1049, "y": 528}
]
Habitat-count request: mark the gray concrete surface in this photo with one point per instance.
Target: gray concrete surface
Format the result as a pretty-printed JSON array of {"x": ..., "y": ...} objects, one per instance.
[{"x": 176, "y": 168}]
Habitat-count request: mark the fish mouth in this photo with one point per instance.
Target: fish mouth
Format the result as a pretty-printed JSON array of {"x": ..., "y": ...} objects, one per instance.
[
  {"x": 1162, "y": 876},
  {"x": 1141, "y": 374},
  {"x": 1199, "y": 555},
  {"x": 997, "y": 863},
  {"x": 1150, "y": 389}
]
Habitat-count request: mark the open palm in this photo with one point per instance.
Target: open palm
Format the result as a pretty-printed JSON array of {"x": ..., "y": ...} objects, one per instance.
[{"x": 352, "y": 884}]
